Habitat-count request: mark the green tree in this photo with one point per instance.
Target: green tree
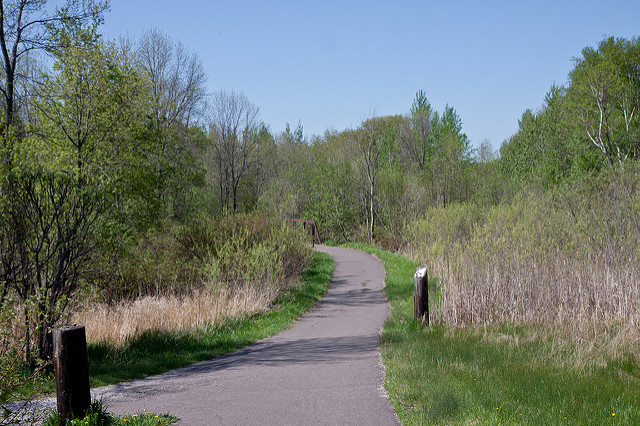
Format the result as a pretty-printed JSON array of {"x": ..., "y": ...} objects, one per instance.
[
  {"x": 490, "y": 187},
  {"x": 547, "y": 147},
  {"x": 452, "y": 151},
  {"x": 330, "y": 188},
  {"x": 605, "y": 90},
  {"x": 415, "y": 136},
  {"x": 178, "y": 93},
  {"x": 370, "y": 141},
  {"x": 69, "y": 178},
  {"x": 27, "y": 26}
]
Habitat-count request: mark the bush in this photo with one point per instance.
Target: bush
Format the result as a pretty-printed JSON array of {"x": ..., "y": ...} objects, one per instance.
[
  {"x": 206, "y": 252},
  {"x": 246, "y": 249},
  {"x": 96, "y": 415}
]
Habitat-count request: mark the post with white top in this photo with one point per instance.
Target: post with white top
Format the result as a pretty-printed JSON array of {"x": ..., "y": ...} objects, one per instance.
[{"x": 421, "y": 295}]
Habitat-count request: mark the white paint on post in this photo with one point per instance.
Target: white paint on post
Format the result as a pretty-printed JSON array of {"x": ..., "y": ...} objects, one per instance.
[{"x": 420, "y": 273}]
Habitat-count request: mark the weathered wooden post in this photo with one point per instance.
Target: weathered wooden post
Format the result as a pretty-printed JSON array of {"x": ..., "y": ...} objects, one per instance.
[
  {"x": 72, "y": 371},
  {"x": 421, "y": 295}
]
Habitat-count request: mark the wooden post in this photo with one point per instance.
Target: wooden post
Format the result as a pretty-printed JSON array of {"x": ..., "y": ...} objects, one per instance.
[
  {"x": 72, "y": 371},
  {"x": 421, "y": 295}
]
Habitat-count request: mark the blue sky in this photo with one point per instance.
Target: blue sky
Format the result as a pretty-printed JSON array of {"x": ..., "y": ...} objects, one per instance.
[{"x": 332, "y": 64}]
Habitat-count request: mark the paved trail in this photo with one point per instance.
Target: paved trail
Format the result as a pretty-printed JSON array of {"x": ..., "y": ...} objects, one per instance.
[{"x": 323, "y": 370}]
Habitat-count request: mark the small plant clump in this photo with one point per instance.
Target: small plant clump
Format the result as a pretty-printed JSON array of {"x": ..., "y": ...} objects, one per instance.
[{"x": 97, "y": 415}]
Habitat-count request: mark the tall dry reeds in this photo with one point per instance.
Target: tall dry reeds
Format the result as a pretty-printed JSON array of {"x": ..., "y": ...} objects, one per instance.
[
  {"x": 115, "y": 324},
  {"x": 565, "y": 260}
]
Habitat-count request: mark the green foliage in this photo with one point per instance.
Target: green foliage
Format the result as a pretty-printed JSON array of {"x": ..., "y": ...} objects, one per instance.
[
  {"x": 416, "y": 134},
  {"x": 590, "y": 124},
  {"x": 420, "y": 104},
  {"x": 157, "y": 352},
  {"x": 97, "y": 415},
  {"x": 605, "y": 92},
  {"x": 545, "y": 150},
  {"x": 330, "y": 189},
  {"x": 154, "y": 265},
  {"x": 246, "y": 248},
  {"x": 565, "y": 257},
  {"x": 175, "y": 101},
  {"x": 369, "y": 182},
  {"x": 232, "y": 250},
  {"x": 93, "y": 125},
  {"x": 145, "y": 419},
  {"x": 490, "y": 185},
  {"x": 68, "y": 183},
  {"x": 443, "y": 229}
]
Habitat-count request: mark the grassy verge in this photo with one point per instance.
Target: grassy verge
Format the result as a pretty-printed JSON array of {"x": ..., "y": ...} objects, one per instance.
[
  {"x": 155, "y": 353},
  {"x": 507, "y": 375}
]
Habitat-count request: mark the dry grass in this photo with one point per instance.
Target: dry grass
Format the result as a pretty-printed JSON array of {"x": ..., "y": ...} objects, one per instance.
[
  {"x": 117, "y": 324},
  {"x": 566, "y": 263}
]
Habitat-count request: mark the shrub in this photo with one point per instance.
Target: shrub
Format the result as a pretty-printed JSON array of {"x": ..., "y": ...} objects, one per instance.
[
  {"x": 246, "y": 249},
  {"x": 183, "y": 260},
  {"x": 568, "y": 259}
]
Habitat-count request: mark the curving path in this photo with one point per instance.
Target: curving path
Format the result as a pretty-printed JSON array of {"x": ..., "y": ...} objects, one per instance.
[{"x": 323, "y": 370}]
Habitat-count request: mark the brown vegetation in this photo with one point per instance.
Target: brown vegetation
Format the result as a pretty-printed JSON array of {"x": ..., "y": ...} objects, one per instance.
[
  {"x": 567, "y": 259},
  {"x": 117, "y": 324}
]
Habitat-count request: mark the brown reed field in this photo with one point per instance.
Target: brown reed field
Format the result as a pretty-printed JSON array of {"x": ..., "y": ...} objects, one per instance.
[
  {"x": 117, "y": 324},
  {"x": 565, "y": 262}
]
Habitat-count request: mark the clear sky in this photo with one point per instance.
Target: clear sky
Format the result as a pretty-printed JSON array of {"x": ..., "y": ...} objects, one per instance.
[{"x": 332, "y": 64}]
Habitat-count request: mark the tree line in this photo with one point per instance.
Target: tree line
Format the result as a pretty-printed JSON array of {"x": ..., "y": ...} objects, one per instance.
[{"x": 105, "y": 141}]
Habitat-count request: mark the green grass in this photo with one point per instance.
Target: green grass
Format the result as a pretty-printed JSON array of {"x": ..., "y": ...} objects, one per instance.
[
  {"x": 145, "y": 419},
  {"x": 97, "y": 415},
  {"x": 155, "y": 353},
  {"x": 439, "y": 375}
]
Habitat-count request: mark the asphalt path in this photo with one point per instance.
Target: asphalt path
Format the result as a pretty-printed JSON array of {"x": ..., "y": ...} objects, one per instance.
[{"x": 325, "y": 370}]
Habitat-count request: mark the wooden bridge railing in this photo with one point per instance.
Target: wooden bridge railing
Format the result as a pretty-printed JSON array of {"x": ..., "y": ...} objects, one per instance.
[{"x": 315, "y": 234}]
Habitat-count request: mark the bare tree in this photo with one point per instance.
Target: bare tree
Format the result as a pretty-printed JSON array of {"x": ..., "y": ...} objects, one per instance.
[
  {"x": 178, "y": 87},
  {"x": 369, "y": 141},
  {"x": 177, "y": 77},
  {"x": 51, "y": 245},
  {"x": 235, "y": 133}
]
